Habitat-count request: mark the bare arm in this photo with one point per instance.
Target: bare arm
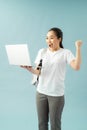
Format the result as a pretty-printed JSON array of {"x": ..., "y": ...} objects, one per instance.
[
  {"x": 75, "y": 64},
  {"x": 32, "y": 70}
]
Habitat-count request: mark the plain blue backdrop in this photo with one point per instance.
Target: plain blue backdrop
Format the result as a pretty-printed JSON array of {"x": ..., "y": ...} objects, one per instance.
[{"x": 27, "y": 21}]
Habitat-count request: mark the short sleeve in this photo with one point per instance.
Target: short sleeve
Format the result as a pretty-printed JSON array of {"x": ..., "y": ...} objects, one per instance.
[
  {"x": 69, "y": 56},
  {"x": 38, "y": 57}
]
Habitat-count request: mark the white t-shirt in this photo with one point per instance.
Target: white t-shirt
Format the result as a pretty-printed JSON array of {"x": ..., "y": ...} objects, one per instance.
[{"x": 51, "y": 79}]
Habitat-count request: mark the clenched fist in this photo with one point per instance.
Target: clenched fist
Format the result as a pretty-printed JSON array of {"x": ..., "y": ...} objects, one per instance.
[{"x": 78, "y": 43}]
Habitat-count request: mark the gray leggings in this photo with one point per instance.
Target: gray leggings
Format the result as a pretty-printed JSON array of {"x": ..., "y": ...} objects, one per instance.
[{"x": 49, "y": 107}]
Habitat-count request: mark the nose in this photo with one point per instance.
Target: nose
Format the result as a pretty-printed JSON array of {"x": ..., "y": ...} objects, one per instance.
[{"x": 48, "y": 41}]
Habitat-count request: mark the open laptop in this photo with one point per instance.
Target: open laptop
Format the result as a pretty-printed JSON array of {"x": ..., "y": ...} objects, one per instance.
[{"x": 18, "y": 54}]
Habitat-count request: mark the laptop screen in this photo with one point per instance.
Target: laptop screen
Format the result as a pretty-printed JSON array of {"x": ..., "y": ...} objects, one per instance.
[{"x": 18, "y": 54}]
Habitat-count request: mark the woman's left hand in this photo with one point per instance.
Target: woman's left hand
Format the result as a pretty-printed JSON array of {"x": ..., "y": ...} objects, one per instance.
[{"x": 78, "y": 43}]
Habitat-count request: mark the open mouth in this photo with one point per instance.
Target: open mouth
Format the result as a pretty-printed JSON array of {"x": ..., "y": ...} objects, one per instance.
[{"x": 50, "y": 45}]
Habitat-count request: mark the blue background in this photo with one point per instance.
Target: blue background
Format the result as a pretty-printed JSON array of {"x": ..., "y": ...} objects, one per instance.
[{"x": 27, "y": 21}]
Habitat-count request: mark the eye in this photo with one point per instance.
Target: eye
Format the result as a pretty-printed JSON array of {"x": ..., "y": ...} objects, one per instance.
[{"x": 51, "y": 38}]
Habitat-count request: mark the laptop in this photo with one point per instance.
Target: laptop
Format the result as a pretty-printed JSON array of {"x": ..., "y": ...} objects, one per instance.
[{"x": 18, "y": 54}]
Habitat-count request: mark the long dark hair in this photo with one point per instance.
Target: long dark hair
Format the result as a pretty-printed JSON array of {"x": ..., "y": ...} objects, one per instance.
[{"x": 59, "y": 34}]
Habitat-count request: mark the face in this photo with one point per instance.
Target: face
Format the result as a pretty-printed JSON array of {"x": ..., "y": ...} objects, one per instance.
[{"x": 52, "y": 41}]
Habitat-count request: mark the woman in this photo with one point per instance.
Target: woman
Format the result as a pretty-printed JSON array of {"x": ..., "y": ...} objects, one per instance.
[{"x": 50, "y": 89}]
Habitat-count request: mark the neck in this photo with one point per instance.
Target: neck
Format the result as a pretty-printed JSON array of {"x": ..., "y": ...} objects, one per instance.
[{"x": 54, "y": 49}]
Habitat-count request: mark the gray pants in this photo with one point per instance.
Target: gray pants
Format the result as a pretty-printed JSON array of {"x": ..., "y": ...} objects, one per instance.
[{"x": 49, "y": 107}]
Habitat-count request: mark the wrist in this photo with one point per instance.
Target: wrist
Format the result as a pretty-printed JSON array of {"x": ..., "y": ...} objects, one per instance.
[{"x": 78, "y": 47}]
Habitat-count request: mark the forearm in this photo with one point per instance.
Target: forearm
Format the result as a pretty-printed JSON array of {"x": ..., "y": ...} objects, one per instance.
[
  {"x": 78, "y": 57},
  {"x": 34, "y": 71}
]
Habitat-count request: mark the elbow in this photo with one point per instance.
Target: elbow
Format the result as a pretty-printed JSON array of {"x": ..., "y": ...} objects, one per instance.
[{"x": 77, "y": 67}]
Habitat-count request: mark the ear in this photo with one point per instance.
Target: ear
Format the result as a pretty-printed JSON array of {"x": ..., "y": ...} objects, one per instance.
[{"x": 60, "y": 39}]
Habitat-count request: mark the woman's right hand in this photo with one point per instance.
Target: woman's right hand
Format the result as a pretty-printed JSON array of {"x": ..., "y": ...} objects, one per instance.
[
  {"x": 26, "y": 67},
  {"x": 31, "y": 69}
]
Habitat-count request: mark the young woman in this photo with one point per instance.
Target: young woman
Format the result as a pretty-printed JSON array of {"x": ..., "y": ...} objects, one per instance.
[{"x": 50, "y": 89}]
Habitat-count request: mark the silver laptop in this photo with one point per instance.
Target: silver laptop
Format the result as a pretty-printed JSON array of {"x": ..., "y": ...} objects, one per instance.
[{"x": 18, "y": 54}]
